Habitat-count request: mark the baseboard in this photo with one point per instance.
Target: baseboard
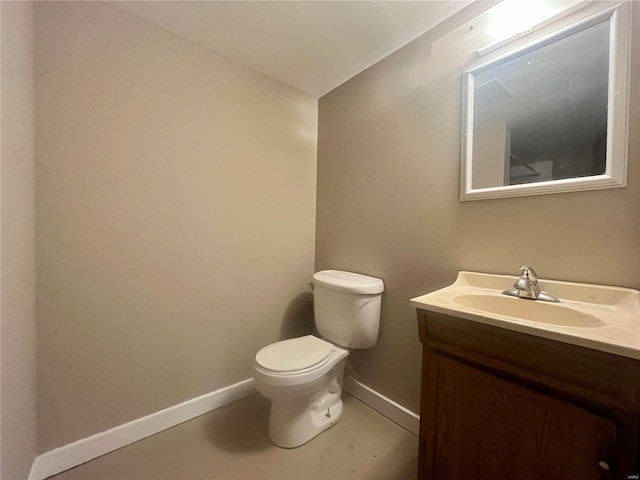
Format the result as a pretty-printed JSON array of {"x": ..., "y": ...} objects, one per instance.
[
  {"x": 387, "y": 407},
  {"x": 81, "y": 451}
]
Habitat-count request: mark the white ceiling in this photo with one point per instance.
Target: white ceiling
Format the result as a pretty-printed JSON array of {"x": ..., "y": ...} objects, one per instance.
[{"x": 313, "y": 46}]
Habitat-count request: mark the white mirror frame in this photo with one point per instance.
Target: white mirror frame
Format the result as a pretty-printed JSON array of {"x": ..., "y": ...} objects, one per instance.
[{"x": 615, "y": 174}]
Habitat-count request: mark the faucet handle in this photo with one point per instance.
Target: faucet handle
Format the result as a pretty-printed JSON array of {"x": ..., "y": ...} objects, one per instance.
[{"x": 530, "y": 273}]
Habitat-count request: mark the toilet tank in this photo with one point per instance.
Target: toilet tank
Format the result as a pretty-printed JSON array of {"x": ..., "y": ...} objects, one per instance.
[{"x": 347, "y": 307}]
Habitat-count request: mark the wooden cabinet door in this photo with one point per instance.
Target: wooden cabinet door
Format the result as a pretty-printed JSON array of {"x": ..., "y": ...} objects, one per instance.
[{"x": 483, "y": 427}]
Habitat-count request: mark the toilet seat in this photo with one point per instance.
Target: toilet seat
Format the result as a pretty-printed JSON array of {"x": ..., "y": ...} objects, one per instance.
[{"x": 295, "y": 356}]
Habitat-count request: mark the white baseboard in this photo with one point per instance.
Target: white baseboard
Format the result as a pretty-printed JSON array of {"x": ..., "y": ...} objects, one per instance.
[
  {"x": 387, "y": 407},
  {"x": 81, "y": 451}
]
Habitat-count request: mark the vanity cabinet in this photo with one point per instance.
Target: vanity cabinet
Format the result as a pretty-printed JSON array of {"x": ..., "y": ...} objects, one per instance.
[{"x": 499, "y": 404}]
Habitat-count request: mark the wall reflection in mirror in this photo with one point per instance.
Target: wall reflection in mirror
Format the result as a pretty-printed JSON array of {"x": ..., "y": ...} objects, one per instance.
[{"x": 552, "y": 113}]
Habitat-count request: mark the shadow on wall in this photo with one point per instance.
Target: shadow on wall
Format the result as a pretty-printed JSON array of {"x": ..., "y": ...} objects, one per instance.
[{"x": 298, "y": 317}]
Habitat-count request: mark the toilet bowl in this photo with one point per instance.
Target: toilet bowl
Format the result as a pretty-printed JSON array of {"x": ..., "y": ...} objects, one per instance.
[
  {"x": 303, "y": 376},
  {"x": 303, "y": 379}
]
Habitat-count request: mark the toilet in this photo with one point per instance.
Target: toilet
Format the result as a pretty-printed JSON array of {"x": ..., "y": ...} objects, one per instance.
[{"x": 303, "y": 376}]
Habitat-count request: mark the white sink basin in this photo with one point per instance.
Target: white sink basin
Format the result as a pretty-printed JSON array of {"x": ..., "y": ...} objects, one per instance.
[
  {"x": 535, "y": 311},
  {"x": 595, "y": 316}
]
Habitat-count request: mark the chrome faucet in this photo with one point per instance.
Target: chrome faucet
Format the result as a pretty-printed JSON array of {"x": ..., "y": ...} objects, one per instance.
[{"x": 527, "y": 286}]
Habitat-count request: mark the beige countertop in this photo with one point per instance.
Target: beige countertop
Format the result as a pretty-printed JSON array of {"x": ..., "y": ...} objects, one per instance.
[{"x": 600, "y": 317}]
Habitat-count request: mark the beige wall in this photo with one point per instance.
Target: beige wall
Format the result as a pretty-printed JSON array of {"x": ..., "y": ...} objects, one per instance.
[
  {"x": 388, "y": 187},
  {"x": 17, "y": 231},
  {"x": 175, "y": 209}
]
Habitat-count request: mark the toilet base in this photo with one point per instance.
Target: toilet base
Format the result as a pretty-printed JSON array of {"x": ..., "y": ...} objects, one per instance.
[
  {"x": 292, "y": 425},
  {"x": 295, "y": 420}
]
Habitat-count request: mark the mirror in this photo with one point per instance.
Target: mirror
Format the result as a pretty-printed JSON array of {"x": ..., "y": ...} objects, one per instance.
[{"x": 551, "y": 115}]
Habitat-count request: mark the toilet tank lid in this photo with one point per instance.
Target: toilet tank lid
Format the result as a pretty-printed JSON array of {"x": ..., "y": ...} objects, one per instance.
[{"x": 348, "y": 282}]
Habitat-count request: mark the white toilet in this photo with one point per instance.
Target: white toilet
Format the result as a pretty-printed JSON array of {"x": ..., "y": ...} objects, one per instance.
[{"x": 303, "y": 376}]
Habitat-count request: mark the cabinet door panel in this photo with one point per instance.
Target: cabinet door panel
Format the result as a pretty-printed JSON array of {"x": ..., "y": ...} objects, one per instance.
[{"x": 482, "y": 427}]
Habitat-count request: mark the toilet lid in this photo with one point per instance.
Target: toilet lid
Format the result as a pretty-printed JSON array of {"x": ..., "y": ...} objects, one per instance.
[{"x": 294, "y": 354}]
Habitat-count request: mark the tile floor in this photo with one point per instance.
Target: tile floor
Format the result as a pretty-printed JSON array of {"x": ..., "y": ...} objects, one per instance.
[{"x": 232, "y": 443}]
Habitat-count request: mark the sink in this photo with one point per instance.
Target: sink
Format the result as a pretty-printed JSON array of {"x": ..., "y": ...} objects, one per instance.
[
  {"x": 531, "y": 310},
  {"x": 600, "y": 317}
]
